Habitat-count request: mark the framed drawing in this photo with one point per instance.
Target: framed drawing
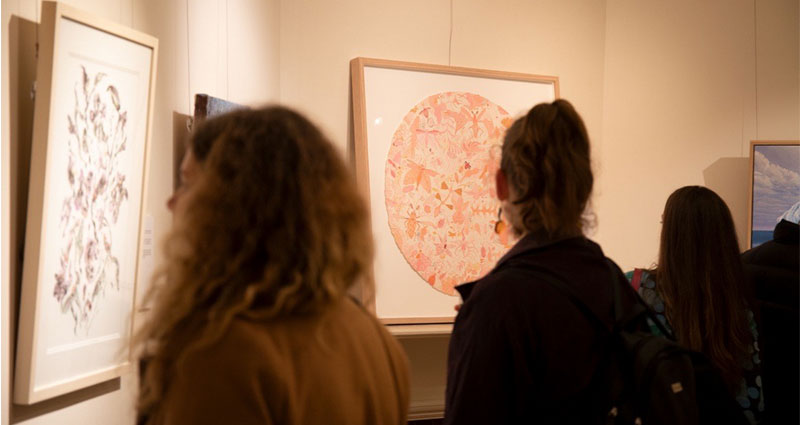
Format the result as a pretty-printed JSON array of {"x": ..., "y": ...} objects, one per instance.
[
  {"x": 89, "y": 167},
  {"x": 427, "y": 146},
  {"x": 774, "y": 187}
]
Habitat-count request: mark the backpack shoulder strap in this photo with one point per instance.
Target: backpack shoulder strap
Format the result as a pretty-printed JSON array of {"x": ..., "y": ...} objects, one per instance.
[{"x": 636, "y": 282}]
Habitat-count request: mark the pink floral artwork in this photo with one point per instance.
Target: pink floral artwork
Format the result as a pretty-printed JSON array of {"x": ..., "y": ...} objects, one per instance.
[
  {"x": 440, "y": 191},
  {"x": 97, "y": 136}
]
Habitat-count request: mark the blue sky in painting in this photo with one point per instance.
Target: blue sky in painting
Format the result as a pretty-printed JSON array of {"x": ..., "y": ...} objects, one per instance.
[{"x": 776, "y": 183}]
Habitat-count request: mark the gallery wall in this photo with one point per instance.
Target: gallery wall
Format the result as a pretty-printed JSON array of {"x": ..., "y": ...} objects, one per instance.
[
  {"x": 687, "y": 86},
  {"x": 671, "y": 95},
  {"x": 212, "y": 38}
]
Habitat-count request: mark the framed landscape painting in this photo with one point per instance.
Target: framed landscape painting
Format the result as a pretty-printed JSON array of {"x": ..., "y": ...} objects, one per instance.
[
  {"x": 774, "y": 187},
  {"x": 427, "y": 146},
  {"x": 92, "y": 120}
]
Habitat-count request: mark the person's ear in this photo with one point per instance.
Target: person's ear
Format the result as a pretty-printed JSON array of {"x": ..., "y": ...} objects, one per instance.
[{"x": 501, "y": 184}]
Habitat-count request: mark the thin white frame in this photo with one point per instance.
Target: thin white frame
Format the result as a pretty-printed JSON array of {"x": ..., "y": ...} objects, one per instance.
[
  {"x": 359, "y": 109},
  {"x": 53, "y": 14}
]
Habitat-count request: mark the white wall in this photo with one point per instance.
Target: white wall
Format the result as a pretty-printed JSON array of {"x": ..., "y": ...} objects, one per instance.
[{"x": 233, "y": 49}]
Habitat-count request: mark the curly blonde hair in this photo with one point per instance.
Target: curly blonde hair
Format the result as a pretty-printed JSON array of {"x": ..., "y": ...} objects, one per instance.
[{"x": 274, "y": 226}]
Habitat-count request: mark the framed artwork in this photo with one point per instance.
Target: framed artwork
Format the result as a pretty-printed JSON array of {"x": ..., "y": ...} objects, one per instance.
[
  {"x": 206, "y": 106},
  {"x": 89, "y": 167},
  {"x": 774, "y": 187},
  {"x": 427, "y": 145}
]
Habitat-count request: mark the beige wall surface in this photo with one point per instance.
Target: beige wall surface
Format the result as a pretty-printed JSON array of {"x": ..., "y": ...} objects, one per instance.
[
  {"x": 233, "y": 50},
  {"x": 778, "y": 69},
  {"x": 686, "y": 89},
  {"x": 680, "y": 93}
]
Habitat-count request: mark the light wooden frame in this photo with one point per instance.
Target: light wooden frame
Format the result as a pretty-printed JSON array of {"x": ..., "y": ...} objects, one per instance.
[
  {"x": 753, "y": 144},
  {"x": 53, "y": 14},
  {"x": 359, "y": 110}
]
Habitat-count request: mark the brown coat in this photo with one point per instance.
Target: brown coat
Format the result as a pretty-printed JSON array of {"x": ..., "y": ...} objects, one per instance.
[{"x": 338, "y": 367}]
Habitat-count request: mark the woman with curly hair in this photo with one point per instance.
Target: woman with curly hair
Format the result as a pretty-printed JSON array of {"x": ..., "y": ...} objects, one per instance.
[{"x": 252, "y": 323}]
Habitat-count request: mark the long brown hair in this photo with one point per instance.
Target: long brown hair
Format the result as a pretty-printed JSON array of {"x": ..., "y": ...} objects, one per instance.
[
  {"x": 546, "y": 158},
  {"x": 273, "y": 226},
  {"x": 701, "y": 278}
]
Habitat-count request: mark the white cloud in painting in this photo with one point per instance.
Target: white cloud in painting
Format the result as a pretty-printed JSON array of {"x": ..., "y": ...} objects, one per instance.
[
  {"x": 792, "y": 214},
  {"x": 775, "y": 190}
]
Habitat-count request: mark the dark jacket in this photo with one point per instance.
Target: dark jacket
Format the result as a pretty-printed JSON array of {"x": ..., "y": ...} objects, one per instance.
[
  {"x": 774, "y": 268},
  {"x": 521, "y": 351}
]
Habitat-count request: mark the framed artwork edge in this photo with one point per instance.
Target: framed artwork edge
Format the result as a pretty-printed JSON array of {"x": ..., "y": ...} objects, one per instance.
[
  {"x": 361, "y": 149},
  {"x": 24, "y": 366},
  {"x": 751, "y": 175}
]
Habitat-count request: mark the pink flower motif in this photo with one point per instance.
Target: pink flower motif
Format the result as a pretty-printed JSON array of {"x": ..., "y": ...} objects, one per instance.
[
  {"x": 420, "y": 261},
  {"x": 459, "y": 210}
]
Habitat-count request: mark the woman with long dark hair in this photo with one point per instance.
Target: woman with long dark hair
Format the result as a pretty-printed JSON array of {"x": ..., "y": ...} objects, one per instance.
[
  {"x": 252, "y": 322},
  {"x": 699, "y": 290}
]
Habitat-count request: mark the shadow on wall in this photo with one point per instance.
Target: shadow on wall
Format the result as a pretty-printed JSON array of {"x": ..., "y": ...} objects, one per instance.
[
  {"x": 181, "y": 132},
  {"x": 729, "y": 178},
  {"x": 22, "y": 74},
  {"x": 22, "y": 413}
]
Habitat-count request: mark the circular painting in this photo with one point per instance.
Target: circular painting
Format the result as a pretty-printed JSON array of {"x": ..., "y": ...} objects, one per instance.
[{"x": 440, "y": 190}]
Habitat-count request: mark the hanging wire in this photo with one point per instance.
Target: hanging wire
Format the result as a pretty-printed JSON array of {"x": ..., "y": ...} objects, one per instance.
[
  {"x": 188, "y": 61},
  {"x": 450, "y": 40},
  {"x": 755, "y": 54},
  {"x": 227, "y": 54}
]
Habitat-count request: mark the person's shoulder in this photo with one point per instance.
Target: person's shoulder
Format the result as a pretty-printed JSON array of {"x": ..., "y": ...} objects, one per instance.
[
  {"x": 755, "y": 254},
  {"x": 510, "y": 291},
  {"x": 351, "y": 311},
  {"x": 355, "y": 318},
  {"x": 242, "y": 355},
  {"x": 505, "y": 282},
  {"x": 244, "y": 341}
]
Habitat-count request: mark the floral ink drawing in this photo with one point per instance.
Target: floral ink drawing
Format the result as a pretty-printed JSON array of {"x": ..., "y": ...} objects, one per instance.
[{"x": 97, "y": 139}]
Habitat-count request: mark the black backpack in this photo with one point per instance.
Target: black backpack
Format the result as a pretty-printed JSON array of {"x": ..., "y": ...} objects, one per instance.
[{"x": 649, "y": 379}]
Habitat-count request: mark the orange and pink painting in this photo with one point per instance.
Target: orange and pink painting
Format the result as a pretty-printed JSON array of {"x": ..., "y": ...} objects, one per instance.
[{"x": 440, "y": 191}]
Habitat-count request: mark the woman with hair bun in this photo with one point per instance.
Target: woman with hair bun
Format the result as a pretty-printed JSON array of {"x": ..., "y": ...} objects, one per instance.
[
  {"x": 521, "y": 350},
  {"x": 252, "y": 323}
]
